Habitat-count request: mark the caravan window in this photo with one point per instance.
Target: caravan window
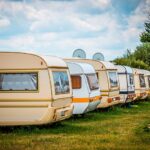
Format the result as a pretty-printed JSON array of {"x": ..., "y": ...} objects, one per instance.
[
  {"x": 149, "y": 81},
  {"x": 113, "y": 79},
  {"x": 131, "y": 79},
  {"x": 61, "y": 82},
  {"x": 93, "y": 81},
  {"x": 142, "y": 80},
  {"x": 76, "y": 81},
  {"x": 18, "y": 81}
]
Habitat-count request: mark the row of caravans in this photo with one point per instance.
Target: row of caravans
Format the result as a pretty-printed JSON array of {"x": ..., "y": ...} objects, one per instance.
[{"x": 44, "y": 89}]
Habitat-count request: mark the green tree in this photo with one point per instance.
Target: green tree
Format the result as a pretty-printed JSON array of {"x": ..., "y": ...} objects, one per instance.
[
  {"x": 142, "y": 52},
  {"x": 131, "y": 62},
  {"x": 145, "y": 36},
  {"x": 127, "y": 54}
]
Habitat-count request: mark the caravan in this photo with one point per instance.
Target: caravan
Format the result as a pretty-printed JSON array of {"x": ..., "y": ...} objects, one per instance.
[
  {"x": 140, "y": 85},
  {"x": 86, "y": 93},
  {"x": 126, "y": 81},
  {"x": 33, "y": 89},
  {"x": 147, "y": 81},
  {"x": 108, "y": 81}
]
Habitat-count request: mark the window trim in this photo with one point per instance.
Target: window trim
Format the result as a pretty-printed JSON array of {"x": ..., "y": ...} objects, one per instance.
[
  {"x": 140, "y": 81},
  {"x": 130, "y": 74},
  {"x": 54, "y": 82},
  {"x": 89, "y": 81},
  {"x": 80, "y": 82},
  {"x": 22, "y": 91},
  {"x": 110, "y": 81},
  {"x": 148, "y": 77}
]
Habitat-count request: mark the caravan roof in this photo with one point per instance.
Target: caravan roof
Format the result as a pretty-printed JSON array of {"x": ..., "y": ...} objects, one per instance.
[
  {"x": 80, "y": 68},
  {"x": 27, "y": 61},
  {"x": 124, "y": 69},
  {"x": 53, "y": 61},
  {"x": 147, "y": 73},
  {"x": 108, "y": 65},
  {"x": 138, "y": 71},
  {"x": 98, "y": 65}
]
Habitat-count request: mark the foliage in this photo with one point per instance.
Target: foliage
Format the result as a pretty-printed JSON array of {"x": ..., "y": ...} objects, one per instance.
[
  {"x": 142, "y": 52},
  {"x": 132, "y": 62},
  {"x": 145, "y": 36}
]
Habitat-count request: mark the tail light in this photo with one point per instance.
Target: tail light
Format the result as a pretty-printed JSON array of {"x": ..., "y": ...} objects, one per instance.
[
  {"x": 109, "y": 100},
  {"x": 117, "y": 98}
]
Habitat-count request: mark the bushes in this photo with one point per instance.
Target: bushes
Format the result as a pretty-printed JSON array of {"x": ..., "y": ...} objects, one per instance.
[{"x": 132, "y": 62}]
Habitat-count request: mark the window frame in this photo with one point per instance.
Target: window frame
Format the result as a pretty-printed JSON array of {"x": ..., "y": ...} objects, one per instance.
[
  {"x": 131, "y": 75},
  {"x": 80, "y": 81},
  {"x": 140, "y": 81},
  {"x": 148, "y": 78},
  {"x": 116, "y": 78},
  {"x": 22, "y": 91},
  {"x": 52, "y": 71},
  {"x": 89, "y": 81}
]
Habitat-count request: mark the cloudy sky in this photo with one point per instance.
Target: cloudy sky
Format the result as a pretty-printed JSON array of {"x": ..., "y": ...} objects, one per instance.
[{"x": 57, "y": 27}]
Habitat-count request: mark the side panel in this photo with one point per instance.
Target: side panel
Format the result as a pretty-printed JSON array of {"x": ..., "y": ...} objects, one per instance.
[
  {"x": 146, "y": 82},
  {"x": 103, "y": 81},
  {"x": 79, "y": 95},
  {"x": 137, "y": 83},
  {"x": 9, "y": 60},
  {"x": 139, "y": 91},
  {"x": 106, "y": 92},
  {"x": 123, "y": 82},
  {"x": 20, "y": 108}
]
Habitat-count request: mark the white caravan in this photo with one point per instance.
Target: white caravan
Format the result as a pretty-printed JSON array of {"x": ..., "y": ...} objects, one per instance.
[
  {"x": 108, "y": 80},
  {"x": 86, "y": 92},
  {"x": 127, "y": 91}
]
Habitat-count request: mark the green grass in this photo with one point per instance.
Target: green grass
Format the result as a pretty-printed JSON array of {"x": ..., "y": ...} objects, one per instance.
[{"x": 119, "y": 128}]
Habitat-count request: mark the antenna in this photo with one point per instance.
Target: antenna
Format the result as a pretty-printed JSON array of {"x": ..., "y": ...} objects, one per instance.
[
  {"x": 79, "y": 53},
  {"x": 98, "y": 56}
]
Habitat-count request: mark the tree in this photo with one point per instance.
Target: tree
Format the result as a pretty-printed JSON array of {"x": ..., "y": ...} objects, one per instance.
[
  {"x": 127, "y": 54},
  {"x": 145, "y": 36},
  {"x": 131, "y": 62},
  {"x": 142, "y": 52}
]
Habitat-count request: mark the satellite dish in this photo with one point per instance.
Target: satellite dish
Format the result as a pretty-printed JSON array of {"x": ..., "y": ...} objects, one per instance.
[
  {"x": 98, "y": 56},
  {"x": 79, "y": 53}
]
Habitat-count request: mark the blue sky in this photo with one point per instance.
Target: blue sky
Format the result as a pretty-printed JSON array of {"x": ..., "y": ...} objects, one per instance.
[{"x": 57, "y": 27}]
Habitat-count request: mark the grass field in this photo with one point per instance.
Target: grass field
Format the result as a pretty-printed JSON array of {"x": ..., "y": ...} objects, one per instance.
[{"x": 119, "y": 128}]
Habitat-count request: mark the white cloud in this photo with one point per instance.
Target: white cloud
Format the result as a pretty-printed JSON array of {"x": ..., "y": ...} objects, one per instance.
[
  {"x": 4, "y": 22},
  {"x": 56, "y": 44},
  {"x": 58, "y": 28},
  {"x": 102, "y": 3},
  {"x": 139, "y": 16}
]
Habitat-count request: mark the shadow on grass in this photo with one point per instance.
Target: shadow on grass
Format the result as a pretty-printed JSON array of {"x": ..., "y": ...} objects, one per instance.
[
  {"x": 74, "y": 124},
  {"x": 70, "y": 126},
  {"x": 43, "y": 129}
]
